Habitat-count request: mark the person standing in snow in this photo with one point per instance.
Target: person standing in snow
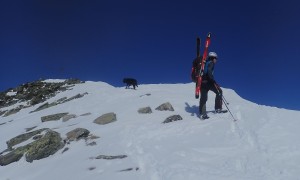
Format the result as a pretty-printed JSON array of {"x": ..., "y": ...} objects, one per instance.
[{"x": 209, "y": 83}]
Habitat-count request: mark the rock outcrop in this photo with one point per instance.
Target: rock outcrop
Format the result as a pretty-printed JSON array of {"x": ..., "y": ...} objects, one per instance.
[
  {"x": 48, "y": 145},
  {"x": 59, "y": 101},
  {"x": 172, "y": 118},
  {"x": 41, "y": 144},
  {"x": 145, "y": 110},
  {"x": 106, "y": 118},
  {"x": 111, "y": 157},
  {"x": 33, "y": 93},
  {"x": 53, "y": 117},
  {"x": 165, "y": 107},
  {"x": 77, "y": 134},
  {"x": 22, "y": 138}
]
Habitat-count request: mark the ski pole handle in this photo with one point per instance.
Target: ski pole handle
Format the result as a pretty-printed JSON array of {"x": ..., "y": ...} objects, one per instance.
[{"x": 218, "y": 87}]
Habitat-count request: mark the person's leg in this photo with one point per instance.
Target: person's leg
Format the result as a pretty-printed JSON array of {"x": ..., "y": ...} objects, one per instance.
[
  {"x": 218, "y": 100},
  {"x": 203, "y": 99}
]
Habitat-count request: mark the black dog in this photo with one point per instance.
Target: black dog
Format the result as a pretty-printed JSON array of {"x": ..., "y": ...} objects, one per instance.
[{"x": 130, "y": 82}]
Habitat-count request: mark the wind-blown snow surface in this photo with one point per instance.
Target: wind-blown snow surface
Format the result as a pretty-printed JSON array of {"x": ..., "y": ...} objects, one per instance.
[{"x": 262, "y": 144}]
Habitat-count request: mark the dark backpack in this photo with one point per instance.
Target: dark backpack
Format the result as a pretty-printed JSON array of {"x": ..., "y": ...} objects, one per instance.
[{"x": 196, "y": 68}]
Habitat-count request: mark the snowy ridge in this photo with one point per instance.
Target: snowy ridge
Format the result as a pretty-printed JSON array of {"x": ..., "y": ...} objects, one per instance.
[{"x": 262, "y": 144}]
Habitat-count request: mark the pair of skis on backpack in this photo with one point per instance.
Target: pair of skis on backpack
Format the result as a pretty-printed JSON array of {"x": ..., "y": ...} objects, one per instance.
[{"x": 198, "y": 65}]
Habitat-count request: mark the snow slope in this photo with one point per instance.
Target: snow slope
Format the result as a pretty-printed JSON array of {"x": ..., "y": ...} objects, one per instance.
[{"x": 262, "y": 144}]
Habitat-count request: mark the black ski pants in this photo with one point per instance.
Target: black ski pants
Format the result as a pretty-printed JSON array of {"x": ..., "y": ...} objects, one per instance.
[{"x": 205, "y": 87}]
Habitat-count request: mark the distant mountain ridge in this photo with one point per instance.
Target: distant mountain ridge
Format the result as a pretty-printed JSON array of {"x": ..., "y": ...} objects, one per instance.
[{"x": 32, "y": 93}]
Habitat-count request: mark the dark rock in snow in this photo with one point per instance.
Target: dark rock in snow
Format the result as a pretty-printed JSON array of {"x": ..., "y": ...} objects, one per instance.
[
  {"x": 145, "y": 110},
  {"x": 48, "y": 145},
  {"x": 74, "y": 97},
  {"x": 60, "y": 101},
  {"x": 68, "y": 117},
  {"x": 173, "y": 118},
  {"x": 111, "y": 157},
  {"x": 2, "y": 123},
  {"x": 22, "y": 138},
  {"x": 129, "y": 169},
  {"x": 31, "y": 128},
  {"x": 106, "y": 118},
  {"x": 44, "y": 106},
  {"x": 53, "y": 117},
  {"x": 2, "y": 112},
  {"x": 86, "y": 114},
  {"x": 66, "y": 149},
  {"x": 13, "y": 111},
  {"x": 77, "y": 134},
  {"x": 11, "y": 157},
  {"x": 165, "y": 107},
  {"x": 43, "y": 146},
  {"x": 91, "y": 143}
]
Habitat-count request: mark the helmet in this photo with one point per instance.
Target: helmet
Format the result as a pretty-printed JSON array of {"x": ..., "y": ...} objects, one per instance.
[{"x": 212, "y": 54}]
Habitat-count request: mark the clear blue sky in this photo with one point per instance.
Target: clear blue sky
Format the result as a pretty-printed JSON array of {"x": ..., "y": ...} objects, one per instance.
[{"x": 154, "y": 41}]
